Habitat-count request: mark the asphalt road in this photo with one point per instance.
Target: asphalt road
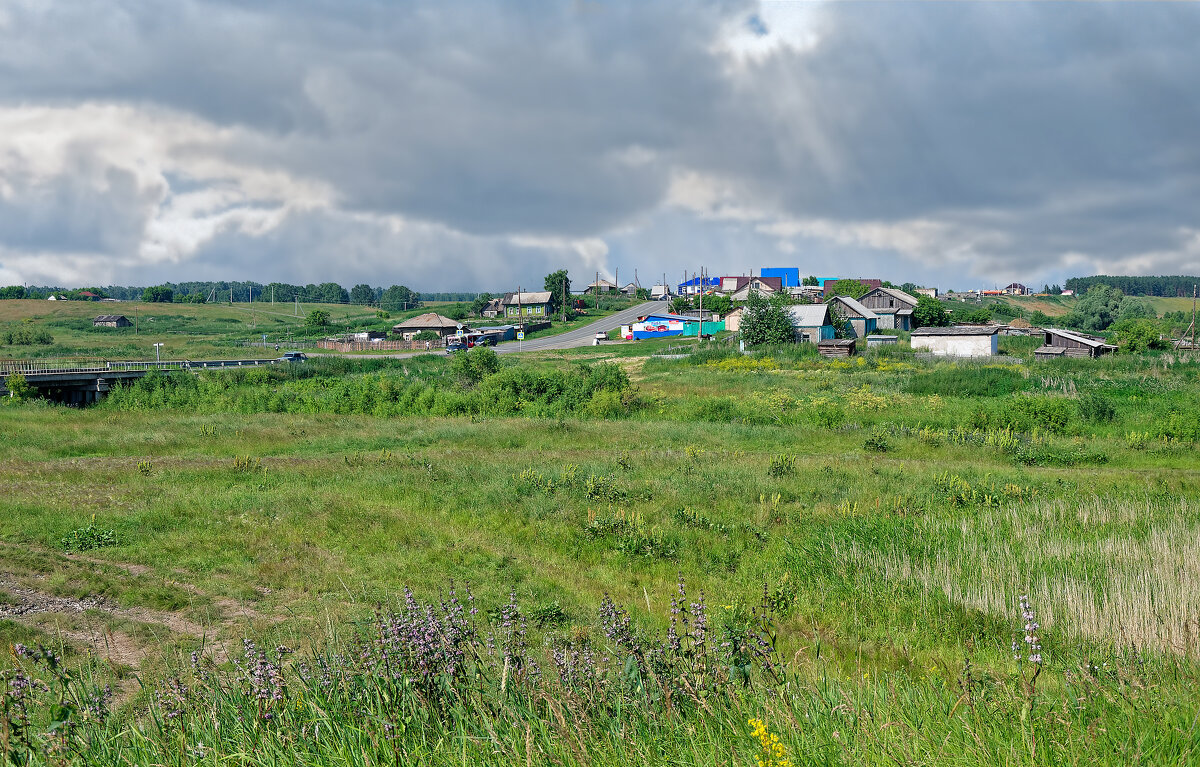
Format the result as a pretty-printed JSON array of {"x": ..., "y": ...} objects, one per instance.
[{"x": 581, "y": 336}]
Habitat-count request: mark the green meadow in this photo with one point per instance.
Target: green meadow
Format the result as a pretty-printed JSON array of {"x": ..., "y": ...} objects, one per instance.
[{"x": 657, "y": 551}]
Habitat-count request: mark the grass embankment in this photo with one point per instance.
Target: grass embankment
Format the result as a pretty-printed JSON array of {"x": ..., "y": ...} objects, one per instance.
[
  {"x": 893, "y": 509},
  {"x": 187, "y": 331}
]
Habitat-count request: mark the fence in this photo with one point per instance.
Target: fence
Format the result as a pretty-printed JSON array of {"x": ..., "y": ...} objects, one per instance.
[{"x": 381, "y": 346}]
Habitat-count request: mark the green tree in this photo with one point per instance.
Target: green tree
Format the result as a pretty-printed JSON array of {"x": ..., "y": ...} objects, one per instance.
[
  {"x": 1039, "y": 319},
  {"x": 362, "y": 294},
  {"x": 810, "y": 281},
  {"x": 680, "y": 304},
  {"x": 851, "y": 288},
  {"x": 929, "y": 312},
  {"x": 1132, "y": 308},
  {"x": 642, "y": 294},
  {"x": 722, "y": 305},
  {"x": 559, "y": 285},
  {"x": 471, "y": 367},
  {"x": 910, "y": 288},
  {"x": 480, "y": 303},
  {"x": 426, "y": 335},
  {"x": 12, "y": 291},
  {"x": 317, "y": 319},
  {"x": 1096, "y": 310},
  {"x": 767, "y": 320},
  {"x": 161, "y": 294},
  {"x": 841, "y": 324},
  {"x": 19, "y": 388},
  {"x": 399, "y": 298},
  {"x": 1136, "y": 335}
]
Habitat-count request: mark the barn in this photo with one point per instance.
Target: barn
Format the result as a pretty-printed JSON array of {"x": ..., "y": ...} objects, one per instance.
[
  {"x": 1069, "y": 343},
  {"x": 111, "y": 321}
]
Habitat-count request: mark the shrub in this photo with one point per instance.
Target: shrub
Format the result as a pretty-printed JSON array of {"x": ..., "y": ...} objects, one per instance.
[
  {"x": 1096, "y": 408},
  {"x": 782, "y": 466},
  {"x": 877, "y": 442},
  {"x": 88, "y": 538},
  {"x": 26, "y": 336},
  {"x": 19, "y": 388}
]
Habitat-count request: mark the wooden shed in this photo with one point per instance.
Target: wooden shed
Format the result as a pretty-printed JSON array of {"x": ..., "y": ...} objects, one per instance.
[
  {"x": 837, "y": 347},
  {"x": 1069, "y": 343},
  {"x": 111, "y": 321}
]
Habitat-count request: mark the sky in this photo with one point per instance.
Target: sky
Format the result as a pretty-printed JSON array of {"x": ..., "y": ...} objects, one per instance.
[{"x": 479, "y": 145}]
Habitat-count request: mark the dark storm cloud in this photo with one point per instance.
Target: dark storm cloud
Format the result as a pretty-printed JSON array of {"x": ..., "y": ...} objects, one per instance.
[{"x": 975, "y": 139}]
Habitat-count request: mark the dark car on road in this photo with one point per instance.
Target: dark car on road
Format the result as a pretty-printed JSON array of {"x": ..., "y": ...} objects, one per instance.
[
  {"x": 456, "y": 345},
  {"x": 293, "y": 357}
]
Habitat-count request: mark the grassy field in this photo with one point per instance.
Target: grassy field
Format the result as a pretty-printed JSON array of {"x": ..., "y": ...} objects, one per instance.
[
  {"x": 207, "y": 331},
  {"x": 854, "y": 537}
]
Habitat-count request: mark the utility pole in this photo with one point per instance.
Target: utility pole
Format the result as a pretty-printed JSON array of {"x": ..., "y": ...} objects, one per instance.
[
  {"x": 1193, "y": 320},
  {"x": 564, "y": 300},
  {"x": 596, "y": 285}
]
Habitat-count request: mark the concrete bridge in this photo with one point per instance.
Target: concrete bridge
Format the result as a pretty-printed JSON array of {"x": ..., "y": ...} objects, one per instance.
[{"x": 84, "y": 381}]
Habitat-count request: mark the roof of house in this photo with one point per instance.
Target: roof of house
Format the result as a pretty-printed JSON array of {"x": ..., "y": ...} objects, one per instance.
[
  {"x": 540, "y": 297},
  {"x": 855, "y": 307},
  {"x": 602, "y": 284},
  {"x": 87, "y": 293},
  {"x": 898, "y": 293},
  {"x": 109, "y": 318},
  {"x": 958, "y": 330},
  {"x": 427, "y": 321},
  {"x": 1012, "y": 285},
  {"x": 1082, "y": 338},
  {"x": 1058, "y": 350},
  {"x": 809, "y": 315}
]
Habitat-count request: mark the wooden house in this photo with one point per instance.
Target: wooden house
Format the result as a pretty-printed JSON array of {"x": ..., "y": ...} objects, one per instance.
[
  {"x": 958, "y": 341},
  {"x": 111, "y": 321},
  {"x": 862, "y": 320},
  {"x": 527, "y": 304},
  {"x": 812, "y": 322},
  {"x": 894, "y": 307}
]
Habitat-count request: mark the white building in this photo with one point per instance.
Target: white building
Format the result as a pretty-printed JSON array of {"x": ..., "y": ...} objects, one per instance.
[{"x": 958, "y": 341}]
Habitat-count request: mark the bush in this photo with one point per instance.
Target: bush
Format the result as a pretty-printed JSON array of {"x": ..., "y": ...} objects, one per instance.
[
  {"x": 1096, "y": 408},
  {"x": 19, "y": 388},
  {"x": 88, "y": 538},
  {"x": 877, "y": 442},
  {"x": 26, "y": 336},
  {"x": 471, "y": 367}
]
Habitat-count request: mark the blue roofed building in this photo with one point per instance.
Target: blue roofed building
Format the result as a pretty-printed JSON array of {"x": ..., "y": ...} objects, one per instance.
[
  {"x": 696, "y": 285},
  {"x": 789, "y": 276}
]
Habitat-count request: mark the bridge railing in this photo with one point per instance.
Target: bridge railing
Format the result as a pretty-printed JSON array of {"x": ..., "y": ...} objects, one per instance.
[{"x": 97, "y": 365}]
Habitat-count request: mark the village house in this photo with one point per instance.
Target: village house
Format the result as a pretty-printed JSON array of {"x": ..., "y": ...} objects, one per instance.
[
  {"x": 111, "y": 321},
  {"x": 443, "y": 326},
  {"x": 527, "y": 304},
  {"x": 493, "y": 308},
  {"x": 601, "y": 286},
  {"x": 1059, "y": 343},
  {"x": 697, "y": 285},
  {"x": 631, "y": 289},
  {"x": 862, "y": 320},
  {"x": 958, "y": 341},
  {"x": 812, "y": 322},
  {"x": 1016, "y": 289},
  {"x": 764, "y": 286},
  {"x": 892, "y": 306},
  {"x": 660, "y": 292}
]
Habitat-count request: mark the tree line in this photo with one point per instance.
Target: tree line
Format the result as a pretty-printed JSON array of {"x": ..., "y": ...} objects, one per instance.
[
  {"x": 395, "y": 297},
  {"x": 1178, "y": 285}
]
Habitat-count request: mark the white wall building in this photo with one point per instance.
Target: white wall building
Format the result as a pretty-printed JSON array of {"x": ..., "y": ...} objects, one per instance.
[{"x": 959, "y": 341}]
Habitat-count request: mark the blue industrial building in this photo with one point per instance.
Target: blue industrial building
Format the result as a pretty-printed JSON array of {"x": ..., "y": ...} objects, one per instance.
[
  {"x": 693, "y": 286},
  {"x": 789, "y": 276}
]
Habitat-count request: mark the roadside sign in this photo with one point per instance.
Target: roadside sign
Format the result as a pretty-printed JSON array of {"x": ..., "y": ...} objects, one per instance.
[{"x": 520, "y": 335}]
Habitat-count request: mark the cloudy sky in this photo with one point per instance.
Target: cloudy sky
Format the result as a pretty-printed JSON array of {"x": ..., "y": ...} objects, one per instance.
[{"x": 474, "y": 145}]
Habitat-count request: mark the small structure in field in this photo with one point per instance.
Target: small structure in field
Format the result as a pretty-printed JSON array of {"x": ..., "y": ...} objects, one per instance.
[
  {"x": 733, "y": 320},
  {"x": 1059, "y": 343},
  {"x": 862, "y": 320},
  {"x": 443, "y": 326},
  {"x": 958, "y": 341},
  {"x": 111, "y": 321},
  {"x": 837, "y": 347},
  {"x": 812, "y": 322},
  {"x": 873, "y": 341}
]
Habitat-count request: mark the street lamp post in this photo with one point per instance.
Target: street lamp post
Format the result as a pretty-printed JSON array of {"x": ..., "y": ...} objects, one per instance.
[{"x": 157, "y": 358}]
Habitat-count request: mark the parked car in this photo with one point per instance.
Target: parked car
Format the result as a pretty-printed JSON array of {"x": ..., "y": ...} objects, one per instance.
[
  {"x": 456, "y": 345},
  {"x": 487, "y": 340},
  {"x": 293, "y": 357}
]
